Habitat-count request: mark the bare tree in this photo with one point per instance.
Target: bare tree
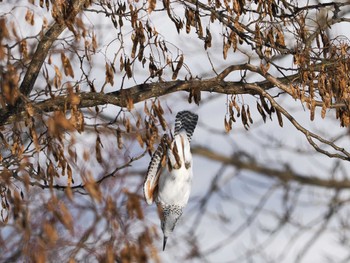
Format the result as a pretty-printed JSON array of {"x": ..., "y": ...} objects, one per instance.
[{"x": 88, "y": 88}]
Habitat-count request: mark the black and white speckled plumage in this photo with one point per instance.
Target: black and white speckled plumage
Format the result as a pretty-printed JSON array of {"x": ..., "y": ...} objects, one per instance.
[{"x": 185, "y": 120}]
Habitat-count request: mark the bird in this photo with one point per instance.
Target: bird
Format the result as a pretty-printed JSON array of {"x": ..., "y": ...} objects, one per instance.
[{"x": 169, "y": 175}]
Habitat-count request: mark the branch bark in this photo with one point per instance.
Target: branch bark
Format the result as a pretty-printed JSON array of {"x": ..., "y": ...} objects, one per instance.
[{"x": 136, "y": 94}]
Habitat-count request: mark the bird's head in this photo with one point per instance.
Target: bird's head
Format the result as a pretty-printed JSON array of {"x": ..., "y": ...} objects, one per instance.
[{"x": 169, "y": 215}]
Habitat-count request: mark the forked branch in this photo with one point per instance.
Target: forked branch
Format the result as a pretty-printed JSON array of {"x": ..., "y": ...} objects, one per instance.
[{"x": 340, "y": 152}]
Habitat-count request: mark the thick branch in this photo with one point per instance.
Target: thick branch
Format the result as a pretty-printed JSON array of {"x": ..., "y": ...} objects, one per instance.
[
  {"x": 40, "y": 54},
  {"x": 136, "y": 94},
  {"x": 286, "y": 175},
  {"x": 146, "y": 91},
  {"x": 45, "y": 44}
]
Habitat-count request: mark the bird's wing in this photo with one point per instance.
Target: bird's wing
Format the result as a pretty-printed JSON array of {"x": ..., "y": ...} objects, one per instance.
[
  {"x": 185, "y": 120},
  {"x": 154, "y": 170}
]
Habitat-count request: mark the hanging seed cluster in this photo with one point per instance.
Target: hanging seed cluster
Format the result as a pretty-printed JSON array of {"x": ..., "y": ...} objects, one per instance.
[
  {"x": 242, "y": 111},
  {"x": 325, "y": 78}
]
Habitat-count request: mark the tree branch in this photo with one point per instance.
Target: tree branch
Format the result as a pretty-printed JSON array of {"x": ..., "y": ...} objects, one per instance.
[
  {"x": 142, "y": 92},
  {"x": 310, "y": 136},
  {"x": 45, "y": 44},
  {"x": 41, "y": 53},
  {"x": 286, "y": 175},
  {"x": 81, "y": 186},
  {"x": 136, "y": 94}
]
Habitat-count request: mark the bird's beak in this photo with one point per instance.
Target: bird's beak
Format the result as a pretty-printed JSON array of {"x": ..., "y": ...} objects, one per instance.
[{"x": 164, "y": 242}]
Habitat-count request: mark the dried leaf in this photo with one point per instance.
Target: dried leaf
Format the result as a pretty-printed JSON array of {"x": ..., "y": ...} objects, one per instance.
[
  {"x": 160, "y": 108},
  {"x": 138, "y": 121},
  {"x": 323, "y": 111},
  {"x": 265, "y": 106},
  {"x": 264, "y": 67},
  {"x": 227, "y": 124},
  {"x": 140, "y": 56},
  {"x": 58, "y": 123},
  {"x": 151, "y": 5},
  {"x": 226, "y": 47},
  {"x": 325, "y": 42},
  {"x": 208, "y": 39},
  {"x": 69, "y": 175},
  {"x": 58, "y": 77},
  {"x": 198, "y": 25},
  {"x": 133, "y": 206},
  {"x": 109, "y": 74},
  {"x": 233, "y": 40},
  {"x": 261, "y": 111},
  {"x": 130, "y": 104},
  {"x": 86, "y": 155},
  {"x": 50, "y": 232},
  {"x": 146, "y": 110},
  {"x": 67, "y": 67},
  {"x": 159, "y": 113},
  {"x": 24, "y": 48},
  {"x": 244, "y": 118},
  {"x": 280, "y": 38},
  {"x": 119, "y": 139},
  {"x": 249, "y": 116},
  {"x": 189, "y": 14},
  {"x": 77, "y": 119},
  {"x": 3, "y": 28},
  {"x": 135, "y": 42},
  {"x": 94, "y": 43},
  {"x": 127, "y": 124},
  {"x": 128, "y": 68},
  {"x": 35, "y": 139},
  {"x": 178, "y": 67},
  {"x": 230, "y": 108},
  {"x": 29, "y": 17},
  {"x": 237, "y": 7},
  {"x": 197, "y": 95},
  {"x": 66, "y": 218},
  {"x": 238, "y": 109},
  {"x": 98, "y": 145},
  {"x": 140, "y": 139},
  {"x": 30, "y": 110},
  {"x": 121, "y": 61},
  {"x": 312, "y": 109},
  {"x": 270, "y": 37},
  {"x": 279, "y": 117}
]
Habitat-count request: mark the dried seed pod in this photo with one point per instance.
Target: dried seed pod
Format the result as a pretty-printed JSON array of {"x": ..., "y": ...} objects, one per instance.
[
  {"x": 227, "y": 124},
  {"x": 244, "y": 118},
  {"x": 119, "y": 139},
  {"x": 249, "y": 116},
  {"x": 265, "y": 106},
  {"x": 67, "y": 67},
  {"x": 151, "y": 5},
  {"x": 279, "y": 117},
  {"x": 178, "y": 67},
  {"x": 261, "y": 111}
]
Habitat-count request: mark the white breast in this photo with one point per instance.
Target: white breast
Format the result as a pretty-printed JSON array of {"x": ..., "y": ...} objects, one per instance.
[{"x": 174, "y": 187}]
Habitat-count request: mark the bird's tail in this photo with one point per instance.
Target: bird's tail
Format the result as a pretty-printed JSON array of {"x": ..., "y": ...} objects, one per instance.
[{"x": 186, "y": 120}]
